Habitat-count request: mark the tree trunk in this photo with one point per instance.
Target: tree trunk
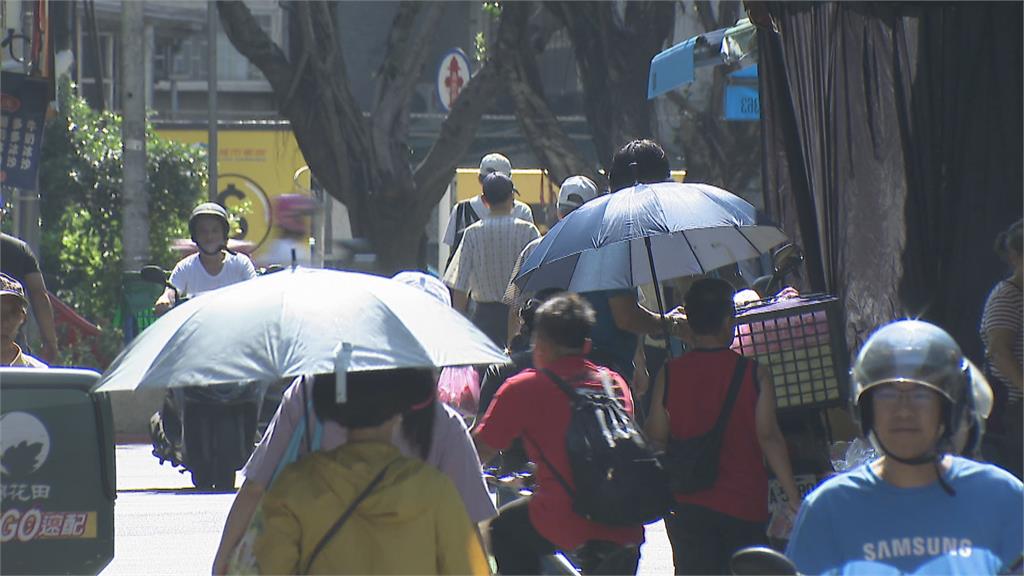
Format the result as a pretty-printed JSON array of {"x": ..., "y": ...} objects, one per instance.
[
  {"x": 613, "y": 55},
  {"x": 549, "y": 142}
]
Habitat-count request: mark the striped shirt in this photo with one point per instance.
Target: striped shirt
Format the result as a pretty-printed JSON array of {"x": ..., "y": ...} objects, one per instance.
[
  {"x": 1005, "y": 309},
  {"x": 515, "y": 297},
  {"x": 483, "y": 262}
]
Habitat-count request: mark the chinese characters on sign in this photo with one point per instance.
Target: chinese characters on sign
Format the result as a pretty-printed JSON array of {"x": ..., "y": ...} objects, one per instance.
[
  {"x": 25, "y": 492},
  {"x": 34, "y": 523},
  {"x": 23, "y": 104}
]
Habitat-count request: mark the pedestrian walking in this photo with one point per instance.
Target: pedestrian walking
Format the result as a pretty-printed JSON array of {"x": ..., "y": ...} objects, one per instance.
[
  {"x": 483, "y": 262},
  {"x": 713, "y": 389},
  {"x": 18, "y": 262},
  {"x": 290, "y": 435},
  {"x": 1002, "y": 332},
  {"x": 531, "y": 406},
  {"x": 467, "y": 212},
  {"x": 573, "y": 193},
  {"x": 364, "y": 507},
  {"x": 13, "y": 312}
]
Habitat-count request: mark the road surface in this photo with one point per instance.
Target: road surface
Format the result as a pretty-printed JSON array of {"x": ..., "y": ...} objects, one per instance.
[{"x": 163, "y": 526}]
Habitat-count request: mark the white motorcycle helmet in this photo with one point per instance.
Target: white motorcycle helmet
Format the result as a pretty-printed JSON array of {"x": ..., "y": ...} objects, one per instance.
[
  {"x": 209, "y": 209},
  {"x": 924, "y": 354}
]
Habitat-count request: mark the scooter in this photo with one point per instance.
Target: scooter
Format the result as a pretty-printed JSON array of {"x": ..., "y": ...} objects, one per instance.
[
  {"x": 760, "y": 560},
  {"x": 513, "y": 480},
  {"x": 209, "y": 431}
]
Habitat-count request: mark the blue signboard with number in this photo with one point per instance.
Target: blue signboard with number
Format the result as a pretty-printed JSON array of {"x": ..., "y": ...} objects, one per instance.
[
  {"x": 742, "y": 103},
  {"x": 23, "y": 103}
]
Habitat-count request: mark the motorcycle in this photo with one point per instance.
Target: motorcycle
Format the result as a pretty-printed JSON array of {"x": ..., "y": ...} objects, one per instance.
[
  {"x": 761, "y": 560},
  {"x": 514, "y": 479},
  {"x": 209, "y": 431}
]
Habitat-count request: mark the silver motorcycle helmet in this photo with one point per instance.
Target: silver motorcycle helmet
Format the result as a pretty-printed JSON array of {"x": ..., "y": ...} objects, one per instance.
[
  {"x": 968, "y": 439},
  {"x": 920, "y": 353}
]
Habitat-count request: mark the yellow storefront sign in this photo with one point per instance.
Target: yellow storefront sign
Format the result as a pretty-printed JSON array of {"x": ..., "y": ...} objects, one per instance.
[
  {"x": 254, "y": 166},
  {"x": 534, "y": 186}
]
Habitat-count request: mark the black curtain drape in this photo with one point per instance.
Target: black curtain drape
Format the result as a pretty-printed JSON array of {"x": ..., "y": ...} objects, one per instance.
[{"x": 893, "y": 146}]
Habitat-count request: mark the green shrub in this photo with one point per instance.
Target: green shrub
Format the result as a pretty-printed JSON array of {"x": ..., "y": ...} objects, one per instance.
[{"x": 80, "y": 189}]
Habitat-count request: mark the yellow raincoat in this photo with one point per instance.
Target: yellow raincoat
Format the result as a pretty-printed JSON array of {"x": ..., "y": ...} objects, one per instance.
[{"x": 413, "y": 522}]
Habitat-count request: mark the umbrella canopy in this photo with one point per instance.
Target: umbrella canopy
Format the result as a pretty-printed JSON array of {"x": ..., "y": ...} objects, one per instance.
[
  {"x": 292, "y": 323},
  {"x": 691, "y": 229}
]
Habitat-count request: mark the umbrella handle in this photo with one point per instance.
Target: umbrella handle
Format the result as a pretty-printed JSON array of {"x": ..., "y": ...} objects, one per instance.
[{"x": 657, "y": 295}]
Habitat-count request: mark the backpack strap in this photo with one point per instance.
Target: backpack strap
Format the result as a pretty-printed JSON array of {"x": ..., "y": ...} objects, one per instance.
[
  {"x": 562, "y": 384},
  {"x": 348, "y": 512},
  {"x": 730, "y": 399},
  {"x": 571, "y": 393},
  {"x": 558, "y": 476}
]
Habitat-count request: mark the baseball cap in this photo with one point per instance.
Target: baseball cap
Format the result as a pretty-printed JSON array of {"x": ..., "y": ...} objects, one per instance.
[
  {"x": 495, "y": 162},
  {"x": 9, "y": 285},
  {"x": 575, "y": 191},
  {"x": 497, "y": 187}
]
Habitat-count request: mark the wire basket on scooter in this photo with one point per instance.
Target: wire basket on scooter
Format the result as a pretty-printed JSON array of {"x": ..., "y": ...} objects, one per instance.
[{"x": 802, "y": 341}]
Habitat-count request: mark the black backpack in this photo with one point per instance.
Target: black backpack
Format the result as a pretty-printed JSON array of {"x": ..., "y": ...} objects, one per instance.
[
  {"x": 465, "y": 216},
  {"x": 618, "y": 478}
]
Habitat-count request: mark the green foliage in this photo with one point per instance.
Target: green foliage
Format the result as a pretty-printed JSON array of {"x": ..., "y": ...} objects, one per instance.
[
  {"x": 80, "y": 189},
  {"x": 492, "y": 9},
  {"x": 480, "y": 47}
]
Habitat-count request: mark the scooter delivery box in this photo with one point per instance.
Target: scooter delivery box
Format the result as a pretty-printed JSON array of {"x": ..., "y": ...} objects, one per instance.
[{"x": 57, "y": 466}]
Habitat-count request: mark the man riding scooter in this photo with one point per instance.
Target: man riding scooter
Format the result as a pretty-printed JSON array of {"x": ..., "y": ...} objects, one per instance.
[
  {"x": 217, "y": 437},
  {"x": 919, "y": 508}
]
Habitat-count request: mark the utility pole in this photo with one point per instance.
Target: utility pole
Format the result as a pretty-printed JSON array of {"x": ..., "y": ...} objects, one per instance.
[
  {"x": 134, "y": 195},
  {"x": 211, "y": 85}
]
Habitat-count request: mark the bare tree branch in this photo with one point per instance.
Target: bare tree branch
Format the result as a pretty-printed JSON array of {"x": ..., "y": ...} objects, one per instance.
[
  {"x": 407, "y": 50},
  {"x": 435, "y": 171},
  {"x": 539, "y": 124},
  {"x": 613, "y": 57},
  {"x": 248, "y": 38}
]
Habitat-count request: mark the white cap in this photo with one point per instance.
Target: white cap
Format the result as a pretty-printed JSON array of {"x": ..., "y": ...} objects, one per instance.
[
  {"x": 495, "y": 162},
  {"x": 426, "y": 283},
  {"x": 575, "y": 191}
]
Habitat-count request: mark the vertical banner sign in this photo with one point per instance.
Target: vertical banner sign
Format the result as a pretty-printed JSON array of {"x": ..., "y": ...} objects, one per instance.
[{"x": 23, "y": 102}]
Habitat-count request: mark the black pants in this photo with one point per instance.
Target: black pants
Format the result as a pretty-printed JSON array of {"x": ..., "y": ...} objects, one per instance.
[
  {"x": 703, "y": 540},
  {"x": 518, "y": 548},
  {"x": 1010, "y": 453},
  {"x": 492, "y": 319}
]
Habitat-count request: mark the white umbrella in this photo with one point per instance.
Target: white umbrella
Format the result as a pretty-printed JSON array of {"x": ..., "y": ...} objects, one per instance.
[{"x": 292, "y": 323}]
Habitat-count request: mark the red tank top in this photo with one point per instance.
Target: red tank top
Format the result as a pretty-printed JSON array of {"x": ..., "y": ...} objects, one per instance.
[{"x": 698, "y": 384}]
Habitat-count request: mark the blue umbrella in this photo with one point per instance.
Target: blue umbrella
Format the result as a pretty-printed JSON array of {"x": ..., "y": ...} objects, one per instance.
[{"x": 646, "y": 233}]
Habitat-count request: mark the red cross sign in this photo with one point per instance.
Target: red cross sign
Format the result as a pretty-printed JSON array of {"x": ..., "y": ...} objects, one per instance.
[{"x": 452, "y": 75}]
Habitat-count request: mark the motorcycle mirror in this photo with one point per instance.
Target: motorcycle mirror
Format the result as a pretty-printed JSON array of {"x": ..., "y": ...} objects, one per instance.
[
  {"x": 761, "y": 560},
  {"x": 787, "y": 259},
  {"x": 154, "y": 274}
]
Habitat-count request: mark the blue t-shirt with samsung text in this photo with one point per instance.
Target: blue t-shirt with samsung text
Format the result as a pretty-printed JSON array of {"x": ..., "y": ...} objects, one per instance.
[{"x": 857, "y": 523}]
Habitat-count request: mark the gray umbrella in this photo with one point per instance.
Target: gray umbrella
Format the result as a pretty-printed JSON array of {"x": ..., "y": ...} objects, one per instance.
[{"x": 646, "y": 233}]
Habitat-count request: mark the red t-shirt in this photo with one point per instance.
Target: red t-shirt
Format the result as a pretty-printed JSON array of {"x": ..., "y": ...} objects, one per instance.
[
  {"x": 531, "y": 406},
  {"x": 698, "y": 384}
]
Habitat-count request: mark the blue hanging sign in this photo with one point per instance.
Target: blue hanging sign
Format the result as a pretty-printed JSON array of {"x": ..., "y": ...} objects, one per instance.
[
  {"x": 23, "y": 103},
  {"x": 742, "y": 103}
]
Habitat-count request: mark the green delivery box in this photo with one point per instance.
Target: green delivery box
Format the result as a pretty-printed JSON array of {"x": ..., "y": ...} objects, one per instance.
[{"x": 57, "y": 465}]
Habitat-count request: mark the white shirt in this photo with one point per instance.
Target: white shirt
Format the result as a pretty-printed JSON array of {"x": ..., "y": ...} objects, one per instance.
[
  {"x": 483, "y": 261},
  {"x": 520, "y": 210},
  {"x": 190, "y": 278}
]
